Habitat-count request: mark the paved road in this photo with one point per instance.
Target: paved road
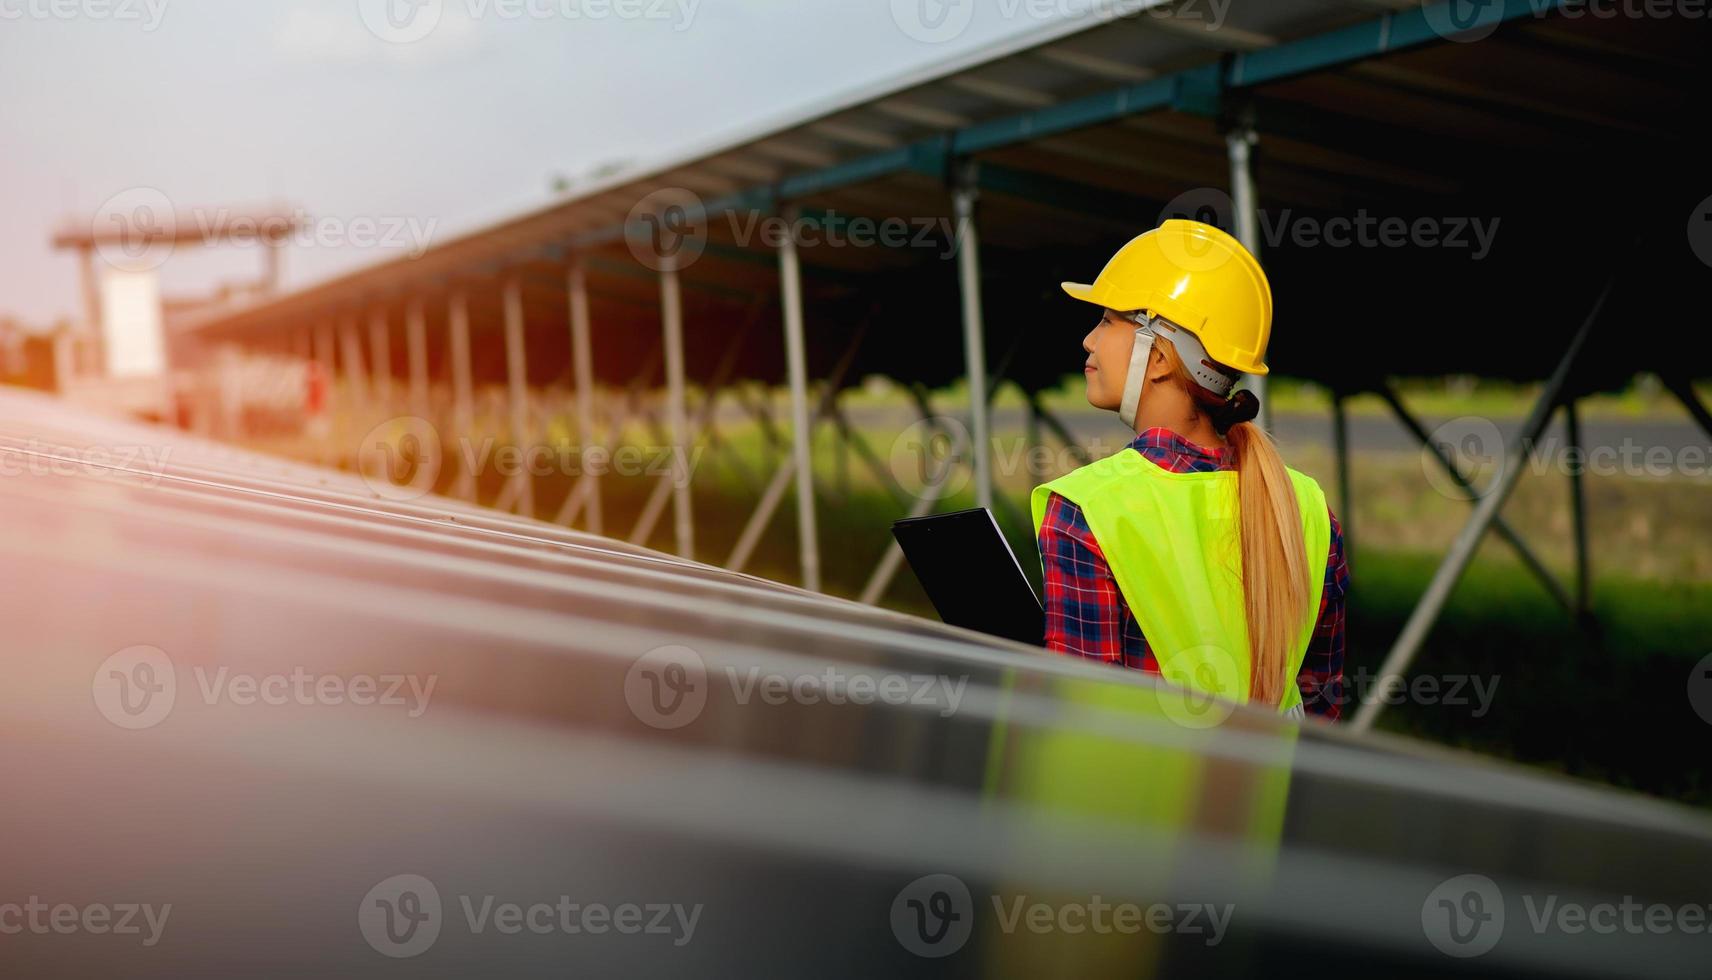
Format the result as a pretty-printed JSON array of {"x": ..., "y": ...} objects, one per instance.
[{"x": 1368, "y": 433}]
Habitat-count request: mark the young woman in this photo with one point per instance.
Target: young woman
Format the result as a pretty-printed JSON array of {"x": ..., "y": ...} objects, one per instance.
[{"x": 1195, "y": 552}]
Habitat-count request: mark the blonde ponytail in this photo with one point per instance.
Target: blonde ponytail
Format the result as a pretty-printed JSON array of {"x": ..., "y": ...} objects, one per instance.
[{"x": 1275, "y": 577}]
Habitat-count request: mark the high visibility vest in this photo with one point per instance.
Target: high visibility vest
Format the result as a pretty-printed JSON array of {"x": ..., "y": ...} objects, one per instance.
[{"x": 1173, "y": 543}]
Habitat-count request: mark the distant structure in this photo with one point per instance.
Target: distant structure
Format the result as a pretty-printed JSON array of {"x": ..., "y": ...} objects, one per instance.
[{"x": 120, "y": 354}]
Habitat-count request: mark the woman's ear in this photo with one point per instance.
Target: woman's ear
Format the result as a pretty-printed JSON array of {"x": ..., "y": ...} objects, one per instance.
[{"x": 1156, "y": 370}]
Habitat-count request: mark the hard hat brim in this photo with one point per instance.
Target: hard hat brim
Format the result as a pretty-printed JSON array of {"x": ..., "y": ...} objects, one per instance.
[{"x": 1081, "y": 290}]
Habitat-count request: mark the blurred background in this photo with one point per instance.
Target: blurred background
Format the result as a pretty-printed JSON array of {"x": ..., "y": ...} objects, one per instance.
[{"x": 627, "y": 267}]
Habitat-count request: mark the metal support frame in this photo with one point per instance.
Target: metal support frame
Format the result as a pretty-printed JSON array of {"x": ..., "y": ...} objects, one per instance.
[
  {"x": 1683, "y": 389},
  {"x": 781, "y": 481},
  {"x": 1485, "y": 513},
  {"x": 380, "y": 350},
  {"x": 702, "y": 423},
  {"x": 517, "y": 386},
  {"x": 1578, "y": 511},
  {"x": 963, "y": 197},
  {"x": 802, "y": 438},
  {"x": 416, "y": 344},
  {"x": 1503, "y": 527},
  {"x": 582, "y": 367},
  {"x": 1240, "y": 142},
  {"x": 1340, "y": 450},
  {"x": 463, "y": 391},
  {"x": 881, "y": 578},
  {"x": 351, "y": 350},
  {"x": 672, "y": 319}
]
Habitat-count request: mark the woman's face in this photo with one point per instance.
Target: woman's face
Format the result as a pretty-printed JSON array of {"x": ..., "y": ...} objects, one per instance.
[{"x": 1108, "y": 345}]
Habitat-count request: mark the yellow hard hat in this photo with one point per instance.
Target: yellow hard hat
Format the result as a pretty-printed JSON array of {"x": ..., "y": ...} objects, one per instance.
[{"x": 1199, "y": 278}]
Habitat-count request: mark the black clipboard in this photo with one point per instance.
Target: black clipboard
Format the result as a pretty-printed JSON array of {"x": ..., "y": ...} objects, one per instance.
[{"x": 971, "y": 575}]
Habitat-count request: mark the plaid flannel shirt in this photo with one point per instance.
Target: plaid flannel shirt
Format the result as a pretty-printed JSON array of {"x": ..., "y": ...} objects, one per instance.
[{"x": 1086, "y": 614}]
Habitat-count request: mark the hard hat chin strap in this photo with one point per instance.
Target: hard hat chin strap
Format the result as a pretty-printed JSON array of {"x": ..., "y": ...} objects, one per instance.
[
  {"x": 1137, "y": 374},
  {"x": 1202, "y": 368}
]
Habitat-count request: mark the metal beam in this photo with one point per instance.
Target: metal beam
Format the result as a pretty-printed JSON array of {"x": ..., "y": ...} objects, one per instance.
[
  {"x": 672, "y": 318},
  {"x": 1499, "y": 524},
  {"x": 1578, "y": 509},
  {"x": 1461, "y": 552},
  {"x": 463, "y": 391},
  {"x": 582, "y": 366},
  {"x": 1239, "y": 143},
  {"x": 974, "y": 336},
  {"x": 802, "y": 437},
  {"x": 380, "y": 348},
  {"x": 416, "y": 344},
  {"x": 517, "y": 384},
  {"x": 1340, "y": 449},
  {"x": 351, "y": 350}
]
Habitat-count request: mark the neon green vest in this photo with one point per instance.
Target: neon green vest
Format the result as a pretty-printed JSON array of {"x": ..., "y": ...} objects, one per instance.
[{"x": 1172, "y": 540}]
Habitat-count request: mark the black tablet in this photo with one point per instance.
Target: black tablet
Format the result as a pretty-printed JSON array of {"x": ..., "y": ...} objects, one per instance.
[{"x": 971, "y": 575}]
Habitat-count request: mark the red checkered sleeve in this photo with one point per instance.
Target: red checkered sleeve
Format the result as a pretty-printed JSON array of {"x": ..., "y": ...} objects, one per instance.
[
  {"x": 1321, "y": 677},
  {"x": 1086, "y": 614}
]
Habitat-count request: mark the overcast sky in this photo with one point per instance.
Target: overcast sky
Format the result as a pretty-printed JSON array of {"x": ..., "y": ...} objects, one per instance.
[{"x": 243, "y": 102}]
